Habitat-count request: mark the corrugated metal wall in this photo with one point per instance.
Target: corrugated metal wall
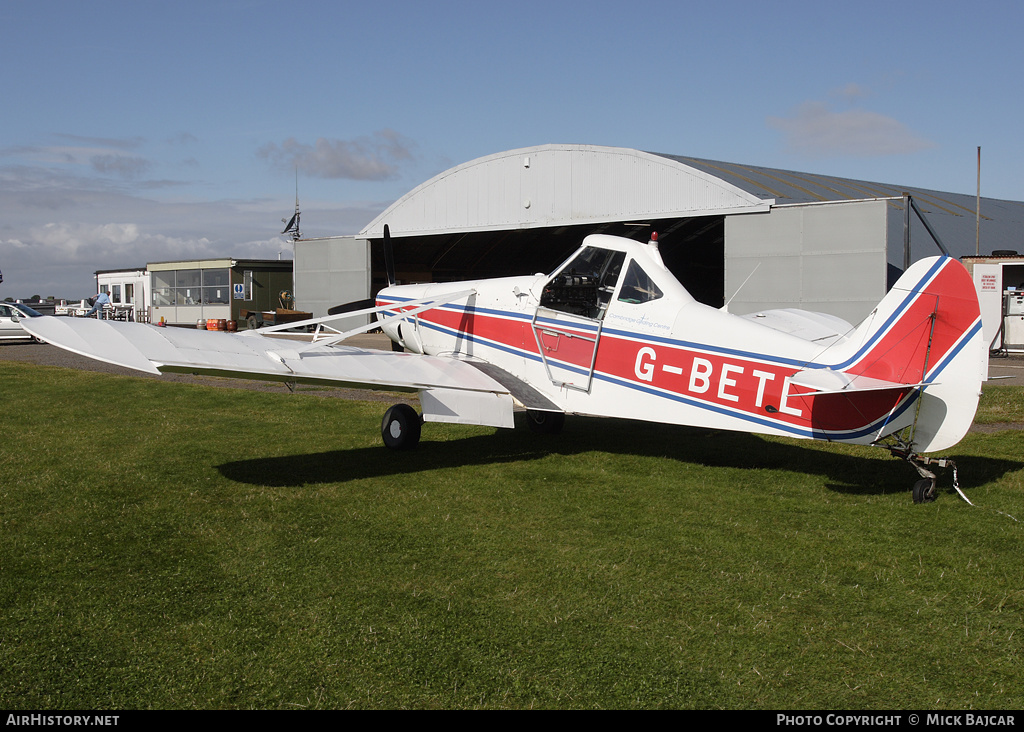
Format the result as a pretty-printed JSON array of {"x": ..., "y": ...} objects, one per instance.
[
  {"x": 329, "y": 272},
  {"x": 827, "y": 258}
]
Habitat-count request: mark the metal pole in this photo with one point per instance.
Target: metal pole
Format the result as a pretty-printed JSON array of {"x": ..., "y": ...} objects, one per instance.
[
  {"x": 977, "y": 219},
  {"x": 906, "y": 231},
  {"x": 934, "y": 235}
]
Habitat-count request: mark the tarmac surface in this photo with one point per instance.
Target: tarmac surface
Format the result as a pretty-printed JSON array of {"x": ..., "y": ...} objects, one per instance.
[{"x": 1006, "y": 369}]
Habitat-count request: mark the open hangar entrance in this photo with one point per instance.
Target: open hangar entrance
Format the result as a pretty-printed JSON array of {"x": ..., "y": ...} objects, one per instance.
[{"x": 692, "y": 249}]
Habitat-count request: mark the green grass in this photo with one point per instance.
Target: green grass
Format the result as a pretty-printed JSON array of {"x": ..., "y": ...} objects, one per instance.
[
  {"x": 1000, "y": 404},
  {"x": 171, "y": 546}
]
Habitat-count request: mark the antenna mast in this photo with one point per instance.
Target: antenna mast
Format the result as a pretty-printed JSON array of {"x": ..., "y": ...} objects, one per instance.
[{"x": 292, "y": 227}]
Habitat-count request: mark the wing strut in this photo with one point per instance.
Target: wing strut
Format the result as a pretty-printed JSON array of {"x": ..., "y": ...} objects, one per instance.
[{"x": 418, "y": 306}]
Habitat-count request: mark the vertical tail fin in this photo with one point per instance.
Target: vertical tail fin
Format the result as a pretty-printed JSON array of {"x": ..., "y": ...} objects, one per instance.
[{"x": 927, "y": 330}]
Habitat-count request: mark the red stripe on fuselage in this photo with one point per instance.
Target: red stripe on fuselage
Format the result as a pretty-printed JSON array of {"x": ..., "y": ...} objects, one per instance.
[{"x": 751, "y": 386}]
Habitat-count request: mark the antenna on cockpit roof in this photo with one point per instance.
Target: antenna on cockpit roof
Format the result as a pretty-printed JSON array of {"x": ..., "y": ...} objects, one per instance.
[{"x": 725, "y": 308}]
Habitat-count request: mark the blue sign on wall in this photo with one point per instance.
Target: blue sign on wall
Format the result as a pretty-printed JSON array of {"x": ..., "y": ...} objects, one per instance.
[{"x": 239, "y": 291}]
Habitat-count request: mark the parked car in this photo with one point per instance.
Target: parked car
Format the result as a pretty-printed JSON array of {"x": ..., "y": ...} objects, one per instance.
[{"x": 11, "y": 315}]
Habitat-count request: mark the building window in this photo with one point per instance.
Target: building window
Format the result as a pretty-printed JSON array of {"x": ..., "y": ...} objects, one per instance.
[
  {"x": 216, "y": 287},
  {"x": 163, "y": 288},
  {"x": 188, "y": 285},
  {"x": 192, "y": 287}
]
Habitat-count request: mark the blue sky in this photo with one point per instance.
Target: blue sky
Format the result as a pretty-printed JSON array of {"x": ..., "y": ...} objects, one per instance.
[{"x": 146, "y": 131}]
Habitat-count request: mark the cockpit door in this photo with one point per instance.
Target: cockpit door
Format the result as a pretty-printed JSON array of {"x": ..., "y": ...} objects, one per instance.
[{"x": 567, "y": 324}]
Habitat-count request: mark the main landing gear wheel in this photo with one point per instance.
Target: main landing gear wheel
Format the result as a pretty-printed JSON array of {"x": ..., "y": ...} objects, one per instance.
[
  {"x": 401, "y": 427},
  {"x": 924, "y": 490},
  {"x": 545, "y": 423}
]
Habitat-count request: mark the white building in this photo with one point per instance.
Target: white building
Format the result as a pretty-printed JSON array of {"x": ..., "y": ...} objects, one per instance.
[{"x": 128, "y": 290}]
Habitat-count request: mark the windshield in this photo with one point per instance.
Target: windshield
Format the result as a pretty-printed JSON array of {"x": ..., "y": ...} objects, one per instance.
[
  {"x": 585, "y": 284},
  {"x": 637, "y": 286},
  {"x": 27, "y": 311}
]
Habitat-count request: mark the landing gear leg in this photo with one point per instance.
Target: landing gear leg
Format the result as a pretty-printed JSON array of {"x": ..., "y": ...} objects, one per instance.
[
  {"x": 924, "y": 490},
  {"x": 545, "y": 423}
]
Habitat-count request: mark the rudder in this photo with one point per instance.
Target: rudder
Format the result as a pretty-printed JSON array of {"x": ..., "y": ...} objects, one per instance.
[{"x": 927, "y": 330}]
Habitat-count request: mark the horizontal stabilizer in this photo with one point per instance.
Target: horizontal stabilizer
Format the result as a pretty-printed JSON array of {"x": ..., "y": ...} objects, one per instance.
[
  {"x": 819, "y": 328},
  {"x": 827, "y": 381}
]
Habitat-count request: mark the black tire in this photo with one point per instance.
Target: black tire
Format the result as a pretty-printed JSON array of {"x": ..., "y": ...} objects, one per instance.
[
  {"x": 252, "y": 323},
  {"x": 924, "y": 491},
  {"x": 545, "y": 423},
  {"x": 401, "y": 427}
]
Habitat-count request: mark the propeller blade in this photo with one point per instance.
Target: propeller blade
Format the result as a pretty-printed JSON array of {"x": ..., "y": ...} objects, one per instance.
[
  {"x": 349, "y": 307},
  {"x": 389, "y": 256}
]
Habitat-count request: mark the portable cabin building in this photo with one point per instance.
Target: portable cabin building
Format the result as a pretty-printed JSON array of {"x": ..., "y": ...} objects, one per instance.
[
  {"x": 128, "y": 290},
  {"x": 188, "y": 292},
  {"x": 999, "y": 279}
]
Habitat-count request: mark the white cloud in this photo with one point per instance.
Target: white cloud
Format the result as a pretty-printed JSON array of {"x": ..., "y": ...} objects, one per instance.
[
  {"x": 52, "y": 239},
  {"x": 815, "y": 130},
  {"x": 125, "y": 166},
  {"x": 127, "y": 143},
  {"x": 851, "y": 93},
  {"x": 87, "y": 204},
  {"x": 103, "y": 160},
  {"x": 374, "y": 157}
]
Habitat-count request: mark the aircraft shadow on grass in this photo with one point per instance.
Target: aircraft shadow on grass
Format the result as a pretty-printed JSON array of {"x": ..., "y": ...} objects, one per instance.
[{"x": 873, "y": 474}]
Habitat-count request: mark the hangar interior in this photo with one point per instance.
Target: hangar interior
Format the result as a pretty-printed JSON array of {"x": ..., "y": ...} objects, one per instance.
[
  {"x": 755, "y": 238},
  {"x": 692, "y": 249}
]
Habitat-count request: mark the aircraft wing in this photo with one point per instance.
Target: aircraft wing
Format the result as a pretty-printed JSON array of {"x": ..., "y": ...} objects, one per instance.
[{"x": 451, "y": 390}]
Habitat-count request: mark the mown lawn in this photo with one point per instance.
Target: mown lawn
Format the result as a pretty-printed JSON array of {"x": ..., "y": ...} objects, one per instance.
[{"x": 170, "y": 546}]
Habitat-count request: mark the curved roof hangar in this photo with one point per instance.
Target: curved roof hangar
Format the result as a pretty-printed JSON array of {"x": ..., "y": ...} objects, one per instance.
[{"x": 561, "y": 185}]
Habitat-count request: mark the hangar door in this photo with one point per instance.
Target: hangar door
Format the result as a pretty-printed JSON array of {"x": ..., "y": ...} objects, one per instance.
[{"x": 828, "y": 258}]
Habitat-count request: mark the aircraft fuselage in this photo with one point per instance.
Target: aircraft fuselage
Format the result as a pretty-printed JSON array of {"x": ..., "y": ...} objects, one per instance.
[{"x": 625, "y": 339}]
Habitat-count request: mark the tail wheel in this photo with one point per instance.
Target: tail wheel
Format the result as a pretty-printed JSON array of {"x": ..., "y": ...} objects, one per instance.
[
  {"x": 545, "y": 423},
  {"x": 924, "y": 491},
  {"x": 401, "y": 427}
]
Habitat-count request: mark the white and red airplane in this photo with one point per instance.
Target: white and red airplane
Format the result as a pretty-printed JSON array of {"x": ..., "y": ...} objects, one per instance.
[{"x": 612, "y": 333}]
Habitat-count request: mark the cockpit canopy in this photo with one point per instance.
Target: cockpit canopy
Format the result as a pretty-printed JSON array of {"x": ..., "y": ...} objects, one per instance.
[{"x": 588, "y": 283}]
